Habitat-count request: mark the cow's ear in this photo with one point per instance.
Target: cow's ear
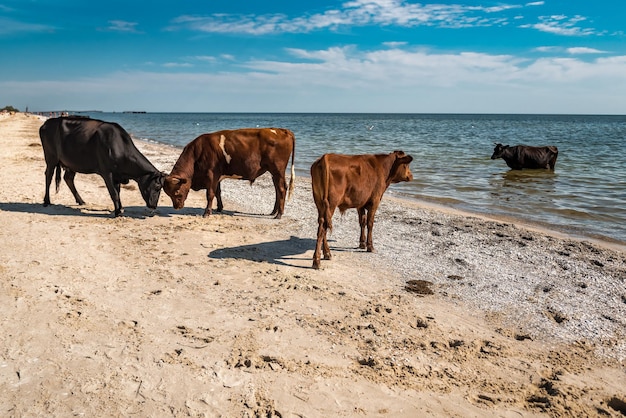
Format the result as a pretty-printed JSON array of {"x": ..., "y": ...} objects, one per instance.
[
  {"x": 176, "y": 180},
  {"x": 405, "y": 159}
]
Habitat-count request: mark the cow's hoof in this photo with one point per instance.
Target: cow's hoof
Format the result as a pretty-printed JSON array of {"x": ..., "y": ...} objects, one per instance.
[
  {"x": 45, "y": 204},
  {"x": 316, "y": 265}
]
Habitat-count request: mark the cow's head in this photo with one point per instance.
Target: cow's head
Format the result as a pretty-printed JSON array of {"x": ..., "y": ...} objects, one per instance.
[
  {"x": 400, "y": 170},
  {"x": 150, "y": 186},
  {"x": 498, "y": 151},
  {"x": 177, "y": 188}
]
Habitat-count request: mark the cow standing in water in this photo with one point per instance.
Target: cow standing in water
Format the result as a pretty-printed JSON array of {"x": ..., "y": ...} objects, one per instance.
[
  {"x": 91, "y": 146},
  {"x": 524, "y": 156},
  {"x": 353, "y": 181},
  {"x": 241, "y": 154}
]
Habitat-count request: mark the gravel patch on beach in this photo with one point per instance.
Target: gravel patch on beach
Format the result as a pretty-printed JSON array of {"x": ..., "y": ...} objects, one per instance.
[{"x": 540, "y": 285}]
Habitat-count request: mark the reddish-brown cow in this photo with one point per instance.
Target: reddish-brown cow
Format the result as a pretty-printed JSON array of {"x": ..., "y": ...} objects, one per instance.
[
  {"x": 353, "y": 181},
  {"x": 242, "y": 154}
]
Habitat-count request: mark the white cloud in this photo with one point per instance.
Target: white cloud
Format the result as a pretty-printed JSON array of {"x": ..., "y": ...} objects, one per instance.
[
  {"x": 177, "y": 65},
  {"x": 351, "y": 80},
  {"x": 584, "y": 50},
  {"x": 580, "y": 50},
  {"x": 547, "y": 48},
  {"x": 352, "y": 13},
  {"x": 394, "y": 44},
  {"x": 122, "y": 26},
  {"x": 561, "y": 25}
]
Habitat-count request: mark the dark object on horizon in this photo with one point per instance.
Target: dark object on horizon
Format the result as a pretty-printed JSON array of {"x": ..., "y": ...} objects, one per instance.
[
  {"x": 353, "y": 181},
  {"x": 523, "y": 156},
  {"x": 242, "y": 154},
  {"x": 91, "y": 146}
]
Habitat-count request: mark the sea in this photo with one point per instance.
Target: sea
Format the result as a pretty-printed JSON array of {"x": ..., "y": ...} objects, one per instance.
[{"x": 584, "y": 197}]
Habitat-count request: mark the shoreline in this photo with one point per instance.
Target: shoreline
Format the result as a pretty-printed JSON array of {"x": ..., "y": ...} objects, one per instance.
[
  {"x": 601, "y": 240},
  {"x": 542, "y": 227},
  {"x": 176, "y": 314}
]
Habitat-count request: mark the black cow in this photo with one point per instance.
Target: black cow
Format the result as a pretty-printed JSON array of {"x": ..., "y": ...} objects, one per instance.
[
  {"x": 91, "y": 146},
  {"x": 524, "y": 156}
]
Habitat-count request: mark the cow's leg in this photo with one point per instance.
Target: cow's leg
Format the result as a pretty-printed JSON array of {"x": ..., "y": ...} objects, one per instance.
[
  {"x": 327, "y": 225},
  {"x": 211, "y": 190},
  {"x": 325, "y": 247},
  {"x": 321, "y": 246},
  {"x": 218, "y": 196},
  {"x": 552, "y": 163},
  {"x": 323, "y": 225},
  {"x": 321, "y": 235},
  {"x": 362, "y": 224},
  {"x": 280, "y": 186},
  {"x": 114, "y": 192},
  {"x": 370, "y": 226},
  {"x": 49, "y": 174},
  {"x": 69, "y": 180}
]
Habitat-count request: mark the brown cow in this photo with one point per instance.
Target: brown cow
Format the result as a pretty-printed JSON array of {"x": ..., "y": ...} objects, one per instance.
[
  {"x": 242, "y": 154},
  {"x": 353, "y": 181}
]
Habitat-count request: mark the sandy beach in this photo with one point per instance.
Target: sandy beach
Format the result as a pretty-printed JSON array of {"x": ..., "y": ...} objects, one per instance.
[{"x": 179, "y": 315}]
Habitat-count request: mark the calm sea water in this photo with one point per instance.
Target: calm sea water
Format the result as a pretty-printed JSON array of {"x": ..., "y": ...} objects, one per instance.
[{"x": 584, "y": 196}]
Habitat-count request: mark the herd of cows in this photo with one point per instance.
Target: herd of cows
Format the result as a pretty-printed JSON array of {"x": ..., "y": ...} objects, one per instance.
[{"x": 79, "y": 144}]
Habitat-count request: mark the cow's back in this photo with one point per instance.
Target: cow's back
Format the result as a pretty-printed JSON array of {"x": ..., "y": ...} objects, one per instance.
[
  {"x": 525, "y": 156},
  {"x": 346, "y": 181},
  {"x": 243, "y": 152},
  {"x": 70, "y": 141},
  {"x": 249, "y": 145},
  {"x": 87, "y": 145}
]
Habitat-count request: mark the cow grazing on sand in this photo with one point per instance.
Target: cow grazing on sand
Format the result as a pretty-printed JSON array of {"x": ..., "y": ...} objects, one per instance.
[
  {"x": 353, "y": 181},
  {"x": 241, "y": 154},
  {"x": 524, "y": 156},
  {"x": 91, "y": 146}
]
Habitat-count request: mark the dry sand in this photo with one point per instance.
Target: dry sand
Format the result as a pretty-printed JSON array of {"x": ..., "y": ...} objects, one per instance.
[{"x": 179, "y": 315}]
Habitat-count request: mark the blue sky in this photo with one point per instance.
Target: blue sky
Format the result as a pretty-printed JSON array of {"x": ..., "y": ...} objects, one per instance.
[{"x": 551, "y": 56}]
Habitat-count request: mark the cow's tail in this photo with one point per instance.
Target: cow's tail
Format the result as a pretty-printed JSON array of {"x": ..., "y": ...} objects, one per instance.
[
  {"x": 293, "y": 168},
  {"x": 320, "y": 183},
  {"x": 323, "y": 194},
  {"x": 57, "y": 177}
]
